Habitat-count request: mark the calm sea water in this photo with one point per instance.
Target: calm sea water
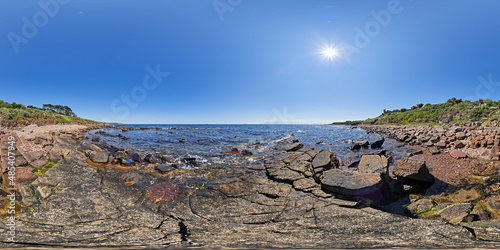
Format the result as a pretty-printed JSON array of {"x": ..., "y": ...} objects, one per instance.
[{"x": 208, "y": 142}]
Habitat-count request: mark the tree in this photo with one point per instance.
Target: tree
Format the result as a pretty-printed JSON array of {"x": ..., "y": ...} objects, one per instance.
[{"x": 65, "y": 110}]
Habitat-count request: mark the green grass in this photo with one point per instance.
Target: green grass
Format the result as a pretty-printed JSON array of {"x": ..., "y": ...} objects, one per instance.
[
  {"x": 453, "y": 111},
  {"x": 21, "y": 115}
]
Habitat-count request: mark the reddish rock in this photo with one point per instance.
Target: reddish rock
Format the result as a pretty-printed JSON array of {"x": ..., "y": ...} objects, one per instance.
[
  {"x": 458, "y": 154},
  {"x": 25, "y": 175},
  {"x": 440, "y": 144},
  {"x": 34, "y": 155},
  {"x": 459, "y": 144},
  {"x": 162, "y": 191}
]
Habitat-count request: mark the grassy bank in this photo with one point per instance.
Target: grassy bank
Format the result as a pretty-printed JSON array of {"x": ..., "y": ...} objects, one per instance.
[
  {"x": 452, "y": 111},
  {"x": 13, "y": 114}
]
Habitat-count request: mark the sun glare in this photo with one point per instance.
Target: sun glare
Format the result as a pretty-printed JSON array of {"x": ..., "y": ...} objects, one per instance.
[{"x": 329, "y": 52}]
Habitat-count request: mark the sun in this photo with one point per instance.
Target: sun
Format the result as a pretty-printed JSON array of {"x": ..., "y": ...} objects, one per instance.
[{"x": 330, "y": 52}]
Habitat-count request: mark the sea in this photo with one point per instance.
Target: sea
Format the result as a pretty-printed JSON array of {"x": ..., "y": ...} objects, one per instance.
[{"x": 210, "y": 144}]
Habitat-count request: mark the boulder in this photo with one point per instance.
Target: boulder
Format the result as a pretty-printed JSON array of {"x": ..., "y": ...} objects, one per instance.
[
  {"x": 351, "y": 183},
  {"x": 168, "y": 159},
  {"x": 98, "y": 156},
  {"x": 458, "y": 144},
  {"x": 293, "y": 147},
  {"x": 33, "y": 155},
  {"x": 458, "y": 154},
  {"x": 126, "y": 162},
  {"x": 354, "y": 146},
  {"x": 413, "y": 169},
  {"x": 435, "y": 151},
  {"x": 25, "y": 175},
  {"x": 461, "y": 135},
  {"x": 378, "y": 144},
  {"x": 151, "y": 159},
  {"x": 323, "y": 160},
  {"x": 455, "y": 213},
  {"x": 419, "y": 207},
  {"x": 363, "y": 143},
  {"x": 39, "y": 163},
  {"x": 373, "y": 164}
]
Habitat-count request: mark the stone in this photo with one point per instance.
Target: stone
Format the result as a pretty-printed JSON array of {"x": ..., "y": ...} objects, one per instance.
[
  {"x": 126, "y": 162},
  {"x": 378, "y": 143},
  {"x": 34, "y": 155},
  {"x": 455, "y": 213},
  {"x": 458, "y": 154},
  {"x": 134, "y": 156},
  {"x": 419, "y": 206},
  {"x": 373, "y": 164},
  {"x": 95, "y": 139},
  {"x": 354, "y": 146},
  {"x": 323, "y": 160},
  {"x": 39, "y": 163},
  {"x": 351, "y": 183},
  {"x": 458, "y": 144},
  {"x": 151, "y": 159},
  {"x": 168, "y": 159},
  {"x": 20, "y": 161},
  {"x": 413, "y": 169},
  {"x": 435, "y": 151},
  {"x": 246, "y": 152},
  {"x": 461, "y": 135},
  {"x": 164, "y": 168},
  {"x": 441, "y": 144},
  {"x": 190, "y": 161},
  {"x": 305, "y": 184},
  {"x": 286, "y": 175},
  {"x": 25, "y": 175},
  {"x": 98, "y": 156},
  {"x": 293, "y": 147},
  {"x": 492, "y": 206},
  {"x": 434, "y": 139},
  {"x": 363, "y": 143}
]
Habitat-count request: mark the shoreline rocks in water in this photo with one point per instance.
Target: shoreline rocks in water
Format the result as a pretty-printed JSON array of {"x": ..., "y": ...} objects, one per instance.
[{"x": 282, "y": 204}]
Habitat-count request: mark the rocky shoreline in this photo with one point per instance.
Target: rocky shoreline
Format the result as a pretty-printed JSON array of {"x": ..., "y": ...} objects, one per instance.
[
  {"x": 464, "y": 157},
  {"x": 74, "y": 192}
]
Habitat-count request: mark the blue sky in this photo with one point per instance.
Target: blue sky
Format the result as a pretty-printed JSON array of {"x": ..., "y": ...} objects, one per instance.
[{"x": 246, "y": 61}]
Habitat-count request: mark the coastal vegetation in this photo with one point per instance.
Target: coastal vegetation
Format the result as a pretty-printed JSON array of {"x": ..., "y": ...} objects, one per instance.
[
  {"x": 452, "y": 111},
  {"x": 15, "y": 114}
]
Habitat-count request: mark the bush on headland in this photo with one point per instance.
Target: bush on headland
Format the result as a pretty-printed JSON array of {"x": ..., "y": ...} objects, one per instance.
[
  {"x": 452, "y": 111},
  {"x": 14, "y": 115}
]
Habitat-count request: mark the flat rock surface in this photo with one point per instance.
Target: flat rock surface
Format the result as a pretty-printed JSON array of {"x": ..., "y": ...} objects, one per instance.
[{"x": 76, "y": 204}]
